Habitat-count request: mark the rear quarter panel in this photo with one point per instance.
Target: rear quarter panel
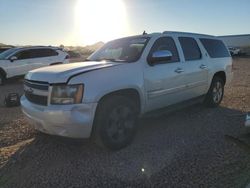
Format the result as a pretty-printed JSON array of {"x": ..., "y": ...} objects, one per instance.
[{"x": 221, "y": 64}]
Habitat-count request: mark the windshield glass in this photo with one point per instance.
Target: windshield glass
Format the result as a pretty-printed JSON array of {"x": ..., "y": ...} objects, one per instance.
[
  {"x": 5, "y": 54},
  {"x": 121, "y": 50}
]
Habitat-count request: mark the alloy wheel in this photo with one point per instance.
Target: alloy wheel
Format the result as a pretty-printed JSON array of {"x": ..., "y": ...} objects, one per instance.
[
  {"x": 217, "y": 92},
  {"x": 120, "y": 123}
]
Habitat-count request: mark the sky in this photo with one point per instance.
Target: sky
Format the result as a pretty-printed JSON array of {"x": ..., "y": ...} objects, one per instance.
[{"x": 84, "y": 22}]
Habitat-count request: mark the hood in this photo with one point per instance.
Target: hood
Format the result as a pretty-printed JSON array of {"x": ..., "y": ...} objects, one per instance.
[{"x": 63, "y": 73}]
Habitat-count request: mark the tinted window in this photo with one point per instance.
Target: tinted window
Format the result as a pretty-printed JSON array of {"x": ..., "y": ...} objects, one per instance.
[
  {"x": 23, "y": 54},
  {"x": 36, "y": 53},
  {"x": 215, "y": 48},
  {"x": 190, "y": 48},
  {"x": 2, "y": 50},
  {"x": 50, "y": 52},
  {"x": 166, "y": 43}
]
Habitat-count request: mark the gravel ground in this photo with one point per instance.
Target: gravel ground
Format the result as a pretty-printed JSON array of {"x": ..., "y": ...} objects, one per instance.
[{"x": 193, "y": 147}]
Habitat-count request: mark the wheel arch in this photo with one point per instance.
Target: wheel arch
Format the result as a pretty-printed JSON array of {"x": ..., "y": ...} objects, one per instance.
[
  {"x": 222, "y": 75},
  {"x": 131, "y": 93}
]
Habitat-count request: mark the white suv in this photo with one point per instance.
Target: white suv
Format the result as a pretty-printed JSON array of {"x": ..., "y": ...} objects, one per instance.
[
  {"x": 18, "y": 61},
  {"x": 123, "y": 80}
]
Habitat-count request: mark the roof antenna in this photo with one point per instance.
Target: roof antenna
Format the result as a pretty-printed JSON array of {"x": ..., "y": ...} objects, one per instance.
[{"x": 144, "y": 33}]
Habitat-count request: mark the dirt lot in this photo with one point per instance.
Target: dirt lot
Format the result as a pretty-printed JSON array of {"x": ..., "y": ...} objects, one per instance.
[{"x": 193, "y": 147}]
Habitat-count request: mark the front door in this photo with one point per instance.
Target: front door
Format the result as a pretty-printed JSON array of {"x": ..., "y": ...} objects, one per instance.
[
  {"x": 165, "y": 82},
  {"x": 20, "y": 65}
]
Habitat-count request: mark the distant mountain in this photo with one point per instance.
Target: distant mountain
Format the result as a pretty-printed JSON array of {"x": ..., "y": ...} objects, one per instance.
[
  {"x": 5, "y": 45},
  {"x": 95, "y": 46},
  {"x": 83, "y": 50},
  {"x": 1, "y": 44}
]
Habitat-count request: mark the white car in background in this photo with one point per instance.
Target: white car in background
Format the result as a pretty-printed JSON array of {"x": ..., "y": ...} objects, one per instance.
[
  {"x": 234, "y": 51},
  {"x": 19, "y": 61}
]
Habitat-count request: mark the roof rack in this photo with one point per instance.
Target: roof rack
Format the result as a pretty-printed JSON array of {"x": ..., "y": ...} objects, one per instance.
[{"x": 179, "y": 32}]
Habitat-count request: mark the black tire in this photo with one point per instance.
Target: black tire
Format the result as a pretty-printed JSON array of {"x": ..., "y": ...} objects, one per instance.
[
  {"x": 215, "y": 93},
  {"x": 2, "y": 79},
  {"x": 115, "y": 123}
]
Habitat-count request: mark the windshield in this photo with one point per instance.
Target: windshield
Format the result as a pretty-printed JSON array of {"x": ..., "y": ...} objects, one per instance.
[
  {"x": 121, "y": 50},
  {"x": 5, "y": 54}
]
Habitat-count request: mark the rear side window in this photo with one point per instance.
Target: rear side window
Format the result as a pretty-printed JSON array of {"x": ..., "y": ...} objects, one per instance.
[
  {"x": 215, "y": 48},
  {"x": 51, "y": 52},
  {"x": 43, "y": 53},
  {"x": 190, "y": 48},
  {"x": 166, "y": 43}
]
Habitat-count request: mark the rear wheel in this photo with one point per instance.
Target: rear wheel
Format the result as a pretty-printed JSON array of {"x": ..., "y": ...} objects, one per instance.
[
  {"x": 215, "y": 93},
  {"x": 114, "y": 126}
]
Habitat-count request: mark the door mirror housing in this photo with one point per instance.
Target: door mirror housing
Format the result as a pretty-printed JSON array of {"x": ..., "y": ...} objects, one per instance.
[
  {"x": 13, "y": 58},
  {"x": 160, "y": 55}
]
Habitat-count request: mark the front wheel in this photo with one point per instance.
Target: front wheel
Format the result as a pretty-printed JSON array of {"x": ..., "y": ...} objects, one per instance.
[
  {"x": 114, "y": 126},
  {"x": 215, "y": 92}
]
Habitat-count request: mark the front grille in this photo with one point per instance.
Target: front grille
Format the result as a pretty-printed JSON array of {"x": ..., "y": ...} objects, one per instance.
[
  {"x": 37, "y": 85},
  {"x": 36, "y": 92},
  {"x": 41, "y": 100}
]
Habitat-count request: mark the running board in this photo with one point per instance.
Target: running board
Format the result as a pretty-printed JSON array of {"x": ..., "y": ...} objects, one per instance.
[{"x": 174, "y": 107}]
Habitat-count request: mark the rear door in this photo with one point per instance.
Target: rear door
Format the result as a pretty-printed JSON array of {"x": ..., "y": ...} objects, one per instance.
[
  {"x": 52, "y": 56},
  {"x": 43, "y": 57},
  {"x": 164, "y": 81},
  {"x": 195, "y": 67}
]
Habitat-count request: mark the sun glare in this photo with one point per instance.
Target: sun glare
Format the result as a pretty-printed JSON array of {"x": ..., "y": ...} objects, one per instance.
[{"x": 99, "y": 20}]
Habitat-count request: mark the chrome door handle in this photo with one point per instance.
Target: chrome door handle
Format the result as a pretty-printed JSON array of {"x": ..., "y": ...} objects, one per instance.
[
  {"x": 203, "y": 66},
  {"x": 179, "y": 70}
]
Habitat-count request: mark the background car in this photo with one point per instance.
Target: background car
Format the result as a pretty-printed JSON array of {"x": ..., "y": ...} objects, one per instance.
[
  {"x": 18, "y": 61},
  {"x": 234, "y": 51}
]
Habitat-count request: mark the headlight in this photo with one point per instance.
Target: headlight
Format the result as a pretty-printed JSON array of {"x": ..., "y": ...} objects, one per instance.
[{"x": 67, "y": 94}]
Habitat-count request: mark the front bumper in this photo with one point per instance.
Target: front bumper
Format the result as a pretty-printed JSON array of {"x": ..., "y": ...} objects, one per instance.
[
  {"x": 73, "y": 121},
  {"x": 247, "y": 122}
]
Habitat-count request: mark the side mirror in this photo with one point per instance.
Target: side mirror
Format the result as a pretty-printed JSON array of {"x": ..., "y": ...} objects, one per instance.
[
  {"x": 13, "y": 58},
  {"x": 161, "y": 55}
]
